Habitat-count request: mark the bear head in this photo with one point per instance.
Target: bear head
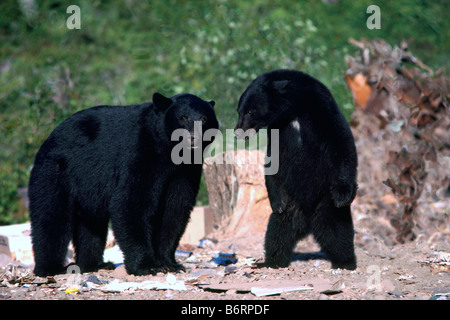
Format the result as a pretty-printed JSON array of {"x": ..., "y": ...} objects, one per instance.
[
  {"x": 261, "y": 104},
  {"x": 189, "y": 113}
]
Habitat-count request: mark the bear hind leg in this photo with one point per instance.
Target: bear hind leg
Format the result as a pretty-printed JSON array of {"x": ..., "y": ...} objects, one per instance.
[
  {"x": 332, "y": 228},
  {"x": 89, "y": 240},
  {"x": 50, "y": 248},
  {"x": 283, "y": 232},
  {"x": 50, "y": 226}
]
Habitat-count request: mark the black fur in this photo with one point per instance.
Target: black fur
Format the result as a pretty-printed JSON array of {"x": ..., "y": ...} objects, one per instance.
[
  {"x": 316, "y": 181},
  {"x": 111, "y": 163}
]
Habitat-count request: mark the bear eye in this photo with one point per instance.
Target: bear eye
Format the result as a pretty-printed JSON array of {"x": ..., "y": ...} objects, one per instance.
[
  {"x": 250, "y": 112},
  {"x": 203, "y": 120},
  {"x": 183, "y": 119}
]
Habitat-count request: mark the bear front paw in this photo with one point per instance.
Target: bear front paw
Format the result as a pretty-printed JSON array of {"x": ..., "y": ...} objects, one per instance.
[{"x": 343, "y": 194}]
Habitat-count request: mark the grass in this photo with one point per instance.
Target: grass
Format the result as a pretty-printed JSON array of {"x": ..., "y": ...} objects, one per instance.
[{"x": 126, "y": 50}]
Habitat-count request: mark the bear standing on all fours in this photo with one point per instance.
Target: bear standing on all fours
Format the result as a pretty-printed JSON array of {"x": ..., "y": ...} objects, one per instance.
[
  {"x": 316, "y": 181},
  {"x": 114, "y": 163}
]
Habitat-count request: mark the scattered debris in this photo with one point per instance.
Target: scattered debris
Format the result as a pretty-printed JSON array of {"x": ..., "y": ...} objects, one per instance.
[
  {"x": 202, "y": 274},
  {"x": 441, "y": 294},
  {"x": 336, "y": 288},
  {"x": 402, "y": 116},
  {"x": 16, "y": 275},
  {"x": 224, "y": 259},
  {"x": 207, "y": 243},
  {"x": 230, "y": 269},
  {"x": 439, "y": 264},
  {"x": 396, "y": 293},
  {"x": 440, "y": 297},
  {"x": 114, "y": 255},
  {"x": 72, "y": 290},
  {"x": 117, "y": 286},
  {"x": 182, "y": 254},
  {"x": 443, "y": 258},
  {"x": 407, "y": 279},
  {"x": 304, "y": 279},
  {"x": 94, "y": 280},
  {"x": 269, "y": 289}
]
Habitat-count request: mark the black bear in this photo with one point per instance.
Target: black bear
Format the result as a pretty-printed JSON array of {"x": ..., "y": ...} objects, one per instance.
[
  {"x": 316, "y": 181},
  {"x": 114, "y": 163}
]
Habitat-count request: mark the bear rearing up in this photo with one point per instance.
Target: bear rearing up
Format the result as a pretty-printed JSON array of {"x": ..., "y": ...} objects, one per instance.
[{"x": 316, "y": 181}]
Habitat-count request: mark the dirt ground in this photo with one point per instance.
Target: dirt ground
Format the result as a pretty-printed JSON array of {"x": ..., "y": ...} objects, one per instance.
[{"x": 412, "y": 271}]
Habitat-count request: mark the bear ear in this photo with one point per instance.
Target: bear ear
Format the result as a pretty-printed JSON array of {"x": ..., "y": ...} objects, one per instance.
[
  {"x": 212, "y": 103},
  {"x": 161, "y": 102},
  {"x": 280, "y": 85}
]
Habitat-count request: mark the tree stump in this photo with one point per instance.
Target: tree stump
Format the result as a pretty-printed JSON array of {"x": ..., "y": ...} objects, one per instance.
[{"x": 237, "y": 193}]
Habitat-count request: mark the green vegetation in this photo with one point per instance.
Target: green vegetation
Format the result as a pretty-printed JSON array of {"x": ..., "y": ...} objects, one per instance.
[{"x": 126, "y": 50}]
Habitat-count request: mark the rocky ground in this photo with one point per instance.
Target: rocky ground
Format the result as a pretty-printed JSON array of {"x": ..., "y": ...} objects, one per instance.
[{"x": 412, "y": 271}]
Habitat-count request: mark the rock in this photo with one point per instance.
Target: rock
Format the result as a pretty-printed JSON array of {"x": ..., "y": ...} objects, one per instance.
[
  {"x": 94, "y": 279},
  {"x": 396, "y": 293},
  {"x": 336, "y": 288},
  {"x": 323, "y": 297},
  {"x": 120, "y": 272},
  {"x": 230, "y": 269},
  {"x": 40, "y": 294},
  {"x": 19, "y": 293}
]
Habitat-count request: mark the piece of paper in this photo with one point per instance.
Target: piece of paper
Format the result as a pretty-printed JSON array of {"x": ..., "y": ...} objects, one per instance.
[{"x": 261, "y": 291}]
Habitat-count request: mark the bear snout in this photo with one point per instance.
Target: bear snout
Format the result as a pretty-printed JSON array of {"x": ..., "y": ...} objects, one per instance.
[
  {"x": 194, "y": 141},
  {"x": 242, "y": 134}
]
